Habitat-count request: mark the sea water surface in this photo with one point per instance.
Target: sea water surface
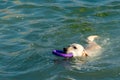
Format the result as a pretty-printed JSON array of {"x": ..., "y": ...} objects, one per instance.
[{"x": 31, "y": 29}]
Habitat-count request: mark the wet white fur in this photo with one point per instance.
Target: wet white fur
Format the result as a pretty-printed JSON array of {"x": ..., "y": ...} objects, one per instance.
[{"x": 91, "y": 50}]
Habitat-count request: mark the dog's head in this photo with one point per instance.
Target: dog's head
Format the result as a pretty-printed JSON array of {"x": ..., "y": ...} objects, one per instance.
[{"x": 75, "y": 49}]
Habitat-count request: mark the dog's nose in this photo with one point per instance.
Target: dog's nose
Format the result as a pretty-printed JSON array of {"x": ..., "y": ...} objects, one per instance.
[{"x": 64, "y": 49}]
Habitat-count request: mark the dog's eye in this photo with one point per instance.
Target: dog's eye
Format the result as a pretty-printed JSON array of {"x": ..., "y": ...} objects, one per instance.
[{"x": 74, "y": 47}]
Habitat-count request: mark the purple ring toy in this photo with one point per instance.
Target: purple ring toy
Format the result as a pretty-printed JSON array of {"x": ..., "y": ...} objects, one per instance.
[{"x": 62, "y": 54}]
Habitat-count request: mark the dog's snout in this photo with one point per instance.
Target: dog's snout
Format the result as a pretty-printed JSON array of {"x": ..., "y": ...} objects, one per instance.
[{"x": 64, "y": 49}]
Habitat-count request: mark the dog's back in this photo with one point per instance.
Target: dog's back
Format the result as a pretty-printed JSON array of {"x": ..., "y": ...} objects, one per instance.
[{"x": 92, "y": 47}]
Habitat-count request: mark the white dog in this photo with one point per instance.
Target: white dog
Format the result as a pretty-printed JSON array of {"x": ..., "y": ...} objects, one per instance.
[{"x": 79, "y": 51}]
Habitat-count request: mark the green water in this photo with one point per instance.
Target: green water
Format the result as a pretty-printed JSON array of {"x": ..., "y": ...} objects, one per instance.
[{"x": 31, "y": 29}]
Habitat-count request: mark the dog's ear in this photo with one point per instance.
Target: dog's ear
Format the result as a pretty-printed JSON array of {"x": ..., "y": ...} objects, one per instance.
[{"x": 85, "y": 54}]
